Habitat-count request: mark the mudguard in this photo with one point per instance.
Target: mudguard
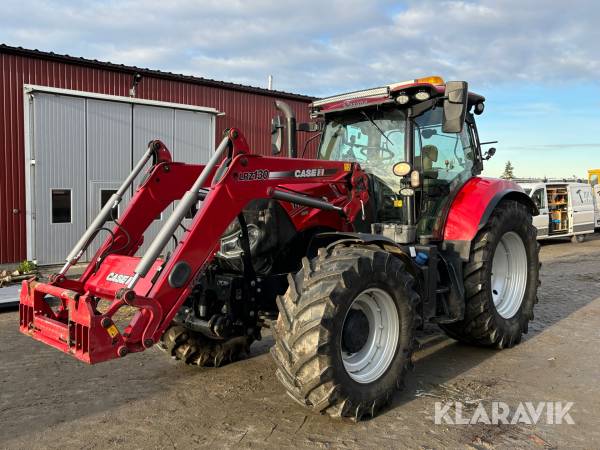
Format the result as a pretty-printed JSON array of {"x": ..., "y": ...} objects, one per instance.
[
  {"x": 471, "y": 208},
  {"x": 327, "y": 238}
]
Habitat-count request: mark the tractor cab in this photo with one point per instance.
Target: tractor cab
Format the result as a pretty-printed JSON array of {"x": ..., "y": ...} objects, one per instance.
[{"x": 403, "y": 137}]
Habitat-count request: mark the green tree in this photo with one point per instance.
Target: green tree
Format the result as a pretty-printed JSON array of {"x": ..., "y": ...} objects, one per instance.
[{"x": 508, "y": 171}]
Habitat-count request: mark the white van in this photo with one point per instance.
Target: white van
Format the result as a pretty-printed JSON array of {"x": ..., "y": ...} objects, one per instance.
[
  {"x": 593, "y": 180},
  {"x": 566, "y": 209}
]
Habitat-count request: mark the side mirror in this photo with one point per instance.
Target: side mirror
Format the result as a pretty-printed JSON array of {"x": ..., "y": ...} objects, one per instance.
[
  {"x": 428, "y": 133},
  {"x": 276, "y": 135},
  {"x": 491, "y": 152},
  {"x": 309, "y": 127},
  {"x": 455, "y": 106}
]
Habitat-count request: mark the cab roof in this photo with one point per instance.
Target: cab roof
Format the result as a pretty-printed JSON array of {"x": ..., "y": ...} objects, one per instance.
[{"x": 434, "y": 86}]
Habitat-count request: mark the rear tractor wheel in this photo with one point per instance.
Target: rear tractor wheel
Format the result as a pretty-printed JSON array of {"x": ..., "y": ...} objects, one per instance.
[
  {"x": 500, "y": 279},
  {"x": 345, "y": 333}
]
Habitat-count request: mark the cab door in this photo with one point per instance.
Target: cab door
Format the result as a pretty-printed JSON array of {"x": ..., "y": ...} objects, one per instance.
[
  {"x": 542, "y": 220},
  {"x": 581, "y": 209}
]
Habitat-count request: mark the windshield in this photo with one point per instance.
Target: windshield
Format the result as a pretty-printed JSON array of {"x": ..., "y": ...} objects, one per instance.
[{"x": 373, "y": 138}]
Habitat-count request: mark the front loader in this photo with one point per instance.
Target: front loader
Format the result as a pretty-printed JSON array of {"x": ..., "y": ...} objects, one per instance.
[{"x": 344, "y": 256}]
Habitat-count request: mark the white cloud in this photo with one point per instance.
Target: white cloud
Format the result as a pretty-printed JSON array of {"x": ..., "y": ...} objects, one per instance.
[{"x": 318, "y": 47}]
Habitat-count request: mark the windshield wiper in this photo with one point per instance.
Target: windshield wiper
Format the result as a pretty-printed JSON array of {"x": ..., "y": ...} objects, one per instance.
[{"x": 376, "y": 126}]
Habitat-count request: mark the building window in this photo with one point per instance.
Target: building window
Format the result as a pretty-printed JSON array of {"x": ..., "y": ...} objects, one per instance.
[
  {"x": 61, "y": 205},
  {"x": 105, "y": 195}
]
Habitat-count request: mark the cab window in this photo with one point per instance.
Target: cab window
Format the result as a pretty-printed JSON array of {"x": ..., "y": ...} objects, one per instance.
[
  {"x": 446, "y": 161},
  {"x": 374, "y": 138},
  {"x": 442, "y": 156}
]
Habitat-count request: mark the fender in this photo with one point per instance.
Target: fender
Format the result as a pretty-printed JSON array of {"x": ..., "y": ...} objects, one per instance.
[
  {"x": 330, "y": 237},
  {"x": 471, "y": 209}
]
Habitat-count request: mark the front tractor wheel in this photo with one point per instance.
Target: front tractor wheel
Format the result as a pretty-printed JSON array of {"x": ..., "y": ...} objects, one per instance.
[
  {"x": 195, "y": 349},
  {"x": 500, "y": 279},
  {"x": 345, "y": 332}
]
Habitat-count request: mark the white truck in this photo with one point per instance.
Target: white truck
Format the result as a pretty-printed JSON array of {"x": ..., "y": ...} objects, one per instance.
[{"x": 567, "y": 209}]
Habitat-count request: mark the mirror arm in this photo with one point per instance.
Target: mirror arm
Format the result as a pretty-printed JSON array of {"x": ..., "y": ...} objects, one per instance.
[{"x": 308, "y": 141}]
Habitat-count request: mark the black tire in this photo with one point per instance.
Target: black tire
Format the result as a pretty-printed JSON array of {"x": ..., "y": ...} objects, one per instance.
[
  {"x": 308, "y": 333},
  {"x": 482, "y": 324},
  {"x": 195, "y": 349},
  {"x": 578, "y": 239}
]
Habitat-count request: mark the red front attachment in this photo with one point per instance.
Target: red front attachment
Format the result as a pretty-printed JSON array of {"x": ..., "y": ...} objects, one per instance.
[
  {"x": 73, "y": 326},
  {"x": 66, "y": 314},
  {"x": 61, "y": 316}
]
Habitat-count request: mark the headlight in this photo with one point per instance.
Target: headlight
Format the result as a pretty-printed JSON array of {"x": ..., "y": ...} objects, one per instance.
[
  {"x": 422, "y": 95},
  {"x": 402, "y": 98},
  {"x": 231, "y": 246}
]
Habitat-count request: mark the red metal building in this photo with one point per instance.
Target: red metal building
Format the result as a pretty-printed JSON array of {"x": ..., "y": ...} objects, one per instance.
[{"x": 245, "y": 107}]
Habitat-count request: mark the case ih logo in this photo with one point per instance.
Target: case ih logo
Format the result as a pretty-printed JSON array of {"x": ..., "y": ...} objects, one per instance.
[
  {"x": 306, "y": 173},
  {"x": 355, "y": 102},
  {"x": 118, "y": 278}
]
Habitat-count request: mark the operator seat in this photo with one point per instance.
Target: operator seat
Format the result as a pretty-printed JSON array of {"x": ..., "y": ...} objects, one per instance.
[
  {"x": 429, "y": 155},
  {"x": 432, "y": 195}
]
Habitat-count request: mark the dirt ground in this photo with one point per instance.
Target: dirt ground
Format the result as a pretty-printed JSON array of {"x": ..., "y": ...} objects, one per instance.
[{"x": 146, "y": 400}]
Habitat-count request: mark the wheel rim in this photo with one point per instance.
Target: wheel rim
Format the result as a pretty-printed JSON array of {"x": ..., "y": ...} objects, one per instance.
[
  {"x": 376, "y": 354},
  {"x": 509, "y": 274}
]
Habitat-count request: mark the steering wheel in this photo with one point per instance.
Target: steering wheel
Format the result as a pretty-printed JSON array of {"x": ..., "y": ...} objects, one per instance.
[{"x": 388, "y": 154}]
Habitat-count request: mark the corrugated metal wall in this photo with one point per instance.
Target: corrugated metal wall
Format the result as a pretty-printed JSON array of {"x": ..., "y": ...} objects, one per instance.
[{"x": 248, "y": 111}]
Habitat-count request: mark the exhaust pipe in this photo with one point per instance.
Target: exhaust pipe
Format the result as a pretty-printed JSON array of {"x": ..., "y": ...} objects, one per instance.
[{"x": 291, "y": 127}]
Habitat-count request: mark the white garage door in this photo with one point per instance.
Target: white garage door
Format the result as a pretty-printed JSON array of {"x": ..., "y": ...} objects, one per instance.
[{"x": 79, "y": 150}]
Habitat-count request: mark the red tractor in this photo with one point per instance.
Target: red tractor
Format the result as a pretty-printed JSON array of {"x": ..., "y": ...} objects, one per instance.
[{"x": 344, "y": 257}]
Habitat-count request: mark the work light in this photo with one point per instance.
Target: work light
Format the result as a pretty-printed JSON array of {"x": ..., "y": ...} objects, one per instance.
[
  {"x": 422, "y": 95},
  {"x": 402, "y": 98}
]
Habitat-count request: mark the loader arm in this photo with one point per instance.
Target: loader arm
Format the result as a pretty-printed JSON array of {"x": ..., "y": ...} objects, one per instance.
[{"x": 156, "y": 287}]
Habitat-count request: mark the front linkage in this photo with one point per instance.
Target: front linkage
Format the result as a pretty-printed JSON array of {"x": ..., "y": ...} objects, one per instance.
[{"x": 158, "y": 287}]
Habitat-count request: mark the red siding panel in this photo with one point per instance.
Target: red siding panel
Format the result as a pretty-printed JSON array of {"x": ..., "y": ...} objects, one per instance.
[{"x": 251, "y": 112}]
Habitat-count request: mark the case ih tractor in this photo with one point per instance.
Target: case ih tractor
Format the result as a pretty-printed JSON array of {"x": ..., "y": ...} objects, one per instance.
[{"x": 344, "y": 257}]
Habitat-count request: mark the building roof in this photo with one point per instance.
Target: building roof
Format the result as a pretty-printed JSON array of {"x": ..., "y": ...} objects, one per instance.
[{"x": 150, "y": 72}]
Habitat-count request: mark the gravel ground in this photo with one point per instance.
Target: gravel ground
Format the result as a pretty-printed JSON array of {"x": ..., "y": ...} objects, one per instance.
[{"x": 146, "y": 400}]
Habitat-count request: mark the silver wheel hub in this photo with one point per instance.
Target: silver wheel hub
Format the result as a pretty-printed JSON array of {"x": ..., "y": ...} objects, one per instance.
[
  {"x": 509, "y": 275},
  {"x": 374, "y": 316}
]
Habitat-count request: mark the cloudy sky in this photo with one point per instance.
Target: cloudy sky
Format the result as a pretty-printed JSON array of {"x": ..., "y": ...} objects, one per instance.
[{"x": 536, "y": 61}]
